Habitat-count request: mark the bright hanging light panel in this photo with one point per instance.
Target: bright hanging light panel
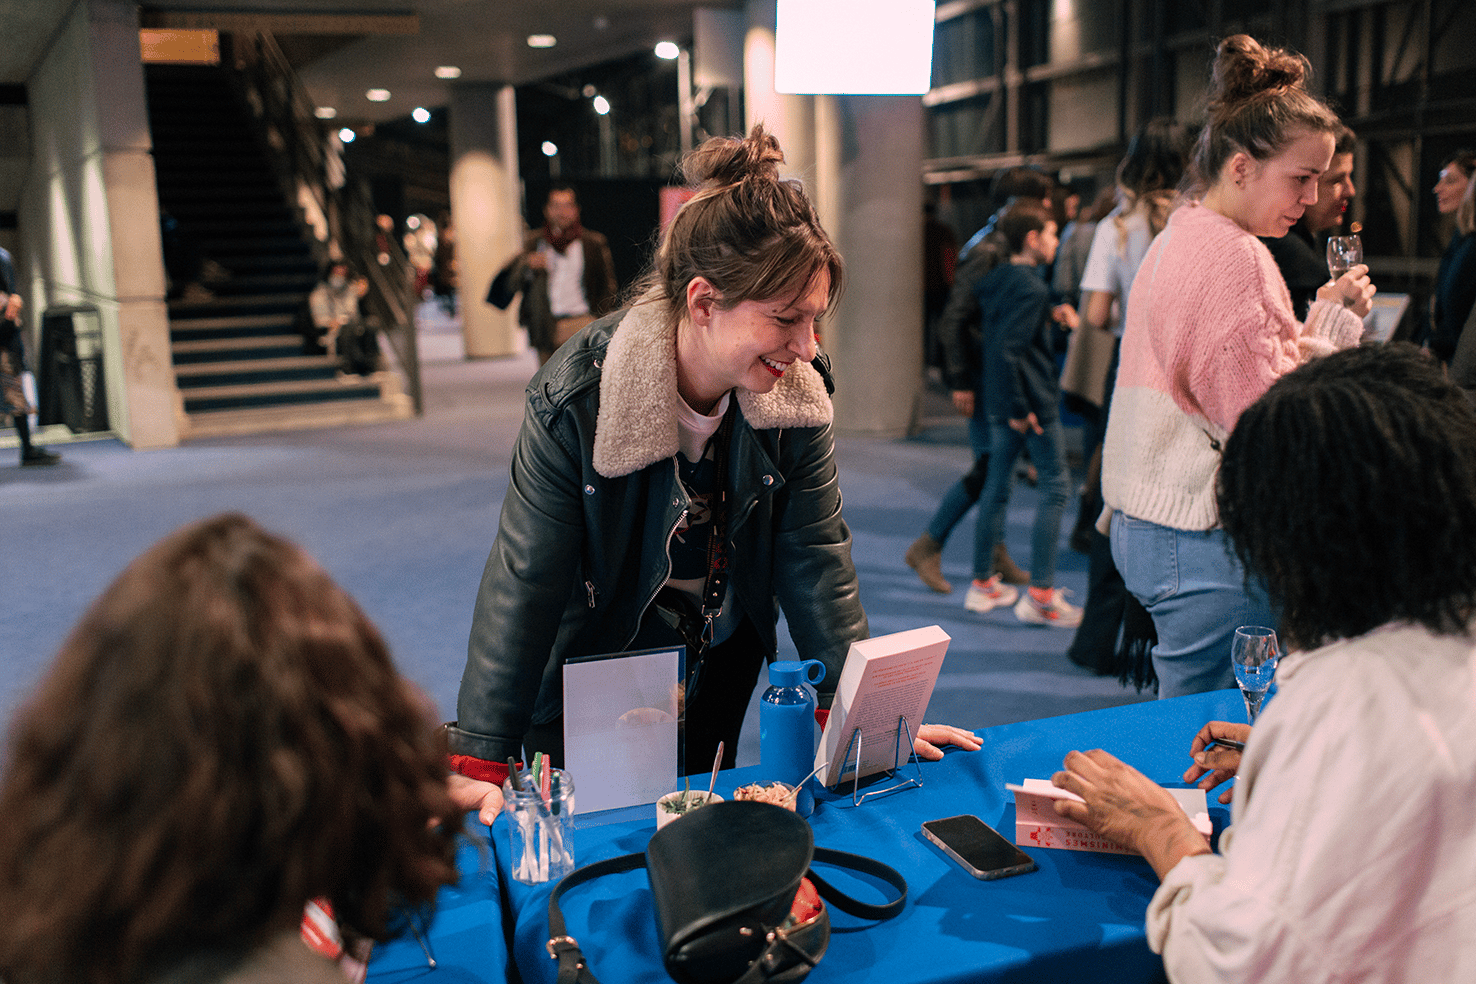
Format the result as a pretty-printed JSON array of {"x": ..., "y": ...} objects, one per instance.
[
  {"x": 601, "y": 105},
  {"x": 550, "y": 148},
  {"x": 861, "y": 47},
  {"x": 346, "y": 135},
  {"x": 542, "y": 40},
  {"x": 420, "y": 114},
  {"x": 667, "y": 50},
  {"x": 377, "y": 95},
  {"x": 325, "y": 112},
  {"x": 448, "y": 72}
]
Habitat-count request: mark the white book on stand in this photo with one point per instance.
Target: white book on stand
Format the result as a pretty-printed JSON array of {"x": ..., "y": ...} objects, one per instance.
[{"x": 885, "y": 679}]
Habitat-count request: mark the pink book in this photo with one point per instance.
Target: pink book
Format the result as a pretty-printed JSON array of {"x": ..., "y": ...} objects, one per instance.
[{"x": 1037, "y": 824}]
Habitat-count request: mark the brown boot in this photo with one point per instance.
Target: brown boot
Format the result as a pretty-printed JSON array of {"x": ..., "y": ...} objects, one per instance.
[
  {"x": 926, "y": 557},
  {"x": 1006, "y": 568}
]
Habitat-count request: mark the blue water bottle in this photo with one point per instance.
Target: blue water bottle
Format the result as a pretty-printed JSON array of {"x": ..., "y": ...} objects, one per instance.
[{"x": 787, "y": 737}]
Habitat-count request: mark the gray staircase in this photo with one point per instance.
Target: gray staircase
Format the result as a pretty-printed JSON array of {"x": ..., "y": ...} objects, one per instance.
[{"x": 242, "y": 360}]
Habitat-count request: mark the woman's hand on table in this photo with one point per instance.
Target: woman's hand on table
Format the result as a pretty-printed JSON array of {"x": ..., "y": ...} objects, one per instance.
[
  {"x": 1126, "y": 806},
  {"x": 930, "y": 736},
  {"x": 474, "y": 794},
  {"x": 1216, "y": 763}
]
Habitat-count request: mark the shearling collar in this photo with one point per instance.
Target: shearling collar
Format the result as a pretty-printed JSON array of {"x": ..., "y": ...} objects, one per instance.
[{"x": 637, "y": 422}]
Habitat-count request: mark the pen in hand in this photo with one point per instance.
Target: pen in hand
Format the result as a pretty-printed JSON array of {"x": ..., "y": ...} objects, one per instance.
[{"x": 1238, "y": 746}]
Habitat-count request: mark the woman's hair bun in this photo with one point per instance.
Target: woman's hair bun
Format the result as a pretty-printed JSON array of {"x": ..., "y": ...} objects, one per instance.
[
  {"x": 730, "y": 160},
  {"x": 1244, "y": 69}
]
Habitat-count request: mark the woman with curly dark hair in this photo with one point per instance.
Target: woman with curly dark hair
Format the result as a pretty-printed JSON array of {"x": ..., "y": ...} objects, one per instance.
[
  {"x": 222, "y": 738},
  {"x": 1350, "y": 489}
]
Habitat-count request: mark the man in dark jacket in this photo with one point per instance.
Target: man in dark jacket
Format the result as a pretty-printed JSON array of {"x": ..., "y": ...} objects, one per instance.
[{"x": 565, "y": 273}]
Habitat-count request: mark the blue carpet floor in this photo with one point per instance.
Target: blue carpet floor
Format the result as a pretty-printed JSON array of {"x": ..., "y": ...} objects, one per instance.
[{"x": 403, "y": 514}]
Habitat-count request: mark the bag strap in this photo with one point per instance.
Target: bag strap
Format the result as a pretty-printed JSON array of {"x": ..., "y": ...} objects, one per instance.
[
  {"x": 574, "y": 969},
  {"x": 869, "y": 866}
]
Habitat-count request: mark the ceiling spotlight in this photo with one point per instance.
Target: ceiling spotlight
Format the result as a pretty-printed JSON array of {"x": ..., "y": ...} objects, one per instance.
[
  {"x": 601, "y": 105},
  {"x": 325, "y": 112},
  {"x": 377, "y": 95},
  {"x": 542, "y": 40},
  {"x": 448, "y": 72},
  {"x": 346, "y": 135},
  {"x": 550, "y": 148},
  {"x": 420, "y": 114},
  {"x": 667, "y": 50}
]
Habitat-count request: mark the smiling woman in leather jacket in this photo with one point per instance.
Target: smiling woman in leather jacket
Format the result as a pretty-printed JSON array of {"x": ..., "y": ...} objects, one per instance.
[{"x": 696, "y": 410}]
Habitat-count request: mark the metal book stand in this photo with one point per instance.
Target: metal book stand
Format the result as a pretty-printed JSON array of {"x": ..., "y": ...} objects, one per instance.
[{"x": 900, "y": 759}]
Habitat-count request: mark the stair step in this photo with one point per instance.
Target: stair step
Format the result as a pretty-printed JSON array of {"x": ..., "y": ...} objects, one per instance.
[
  {"x": 214, "y": 351},
  {"x": 225, "y": 306},
  {"x": 279, "y": 322},
  {"x": 216, "y": 375},
  {"x": 239, "y": 396},
  {"x": 221, "y": 423},
  {"x": 219, "y": 248}
]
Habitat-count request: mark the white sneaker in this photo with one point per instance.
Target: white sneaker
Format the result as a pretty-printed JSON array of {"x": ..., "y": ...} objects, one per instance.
[
  {"x": 1056, "y": 612},
  {"x": 985, "y": 596}
]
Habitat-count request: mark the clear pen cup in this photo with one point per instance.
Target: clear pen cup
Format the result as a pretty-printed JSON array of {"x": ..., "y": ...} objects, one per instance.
[{"x": 540, "y": 832}]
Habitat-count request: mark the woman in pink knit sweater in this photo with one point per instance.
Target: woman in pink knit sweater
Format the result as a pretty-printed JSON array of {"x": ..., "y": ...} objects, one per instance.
[{"x": 1209, "y": 328}]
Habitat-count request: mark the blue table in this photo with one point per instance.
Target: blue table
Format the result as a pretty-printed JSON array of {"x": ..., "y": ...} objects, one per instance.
[
  {"x": 1079, "y": 916},
  {"x": 467, "y": 938}
]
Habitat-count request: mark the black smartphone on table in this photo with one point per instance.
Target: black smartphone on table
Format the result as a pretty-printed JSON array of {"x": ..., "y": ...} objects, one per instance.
[{"x": 982, "y": 851}]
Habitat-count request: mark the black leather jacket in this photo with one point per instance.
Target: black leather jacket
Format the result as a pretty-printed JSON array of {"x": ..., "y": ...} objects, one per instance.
[{"x": 593, "y": 501}]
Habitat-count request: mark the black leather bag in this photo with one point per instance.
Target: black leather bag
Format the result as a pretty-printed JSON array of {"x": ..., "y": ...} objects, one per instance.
[{"x": 725, "y": 879}]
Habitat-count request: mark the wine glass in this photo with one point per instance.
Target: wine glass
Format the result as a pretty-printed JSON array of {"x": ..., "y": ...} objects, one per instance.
[
  {"x": 1254, "y": 654},
  {"x": 1343, "y": 252}
]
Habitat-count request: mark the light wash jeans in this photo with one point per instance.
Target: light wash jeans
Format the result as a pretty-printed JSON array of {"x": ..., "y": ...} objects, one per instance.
[
  {"x": 1196, "y": 591},
  {"x": 1048, "y": 454}
]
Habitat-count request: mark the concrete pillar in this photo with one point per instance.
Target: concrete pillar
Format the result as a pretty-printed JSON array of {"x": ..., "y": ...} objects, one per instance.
[
  {"x": 875, "y": 338},
  {"x": 486, "y": 211},
  {"x": 90, "y": 212},
  {"x": 860, "y": 158},
  {"x": 789, "y": 118}
]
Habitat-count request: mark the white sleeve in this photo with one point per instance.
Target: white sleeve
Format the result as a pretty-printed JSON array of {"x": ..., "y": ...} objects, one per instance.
[{"x": 1098, "y": 272}]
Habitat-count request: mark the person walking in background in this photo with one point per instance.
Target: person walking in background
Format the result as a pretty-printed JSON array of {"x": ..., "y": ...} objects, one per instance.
[
  {"x": 222, "y": 739},
  {"x": 1455, "y": 281},
  {"x": 565, "y": 273},
  {"x": 1147, "y": 181},
  {"x": 1022, "y": 398},
  {"x": 960, "y": 341},
  {"x": 1209, "y": 328},
  {"x": 940, "y": 258},
  {"x": 13, "y": 399},
  {"x": 1301, "y": 255}
]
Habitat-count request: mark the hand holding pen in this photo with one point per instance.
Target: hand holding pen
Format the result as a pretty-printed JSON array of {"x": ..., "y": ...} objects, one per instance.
[{"x": 1216, "y": 752}]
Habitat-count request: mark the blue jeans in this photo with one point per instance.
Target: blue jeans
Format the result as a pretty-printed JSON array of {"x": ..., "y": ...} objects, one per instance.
[
  {"x": 1196, "y": 591},
  {"x": 962, "y": 494},
  {"x": 1048, "y": 453}
]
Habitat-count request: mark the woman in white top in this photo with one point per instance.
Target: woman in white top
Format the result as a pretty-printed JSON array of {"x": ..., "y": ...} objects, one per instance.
[{"x": 1350, "y": 487}]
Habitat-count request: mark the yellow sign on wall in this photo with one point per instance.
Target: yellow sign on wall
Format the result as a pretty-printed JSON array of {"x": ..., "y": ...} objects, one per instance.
[{"x": 179, "y": 47}]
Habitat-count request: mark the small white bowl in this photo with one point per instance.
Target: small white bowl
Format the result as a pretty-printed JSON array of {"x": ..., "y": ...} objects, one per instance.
[{"x": 696, "y": 799}]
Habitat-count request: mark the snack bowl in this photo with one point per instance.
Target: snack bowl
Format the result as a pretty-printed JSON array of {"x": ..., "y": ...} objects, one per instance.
[
  {"x": 683, "y": 801},
  {"x": 771, "y": 791}
]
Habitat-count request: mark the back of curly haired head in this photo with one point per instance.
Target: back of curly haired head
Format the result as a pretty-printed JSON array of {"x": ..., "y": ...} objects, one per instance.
[
  {"x": 222, "y": 738},
  {"x": 1350, "y": 487},
  {"x": 752, "y": 235},
  {"x": 1258, "y": 103}
]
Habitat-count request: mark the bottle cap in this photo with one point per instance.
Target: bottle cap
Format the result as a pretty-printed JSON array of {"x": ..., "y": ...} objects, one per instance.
[{"x": 791, "y": 673}]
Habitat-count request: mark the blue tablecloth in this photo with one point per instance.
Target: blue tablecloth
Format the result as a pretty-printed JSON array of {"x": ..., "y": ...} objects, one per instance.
[
  {"x": 467, "y": 938},
  {"x": 1080, "y": 916}
]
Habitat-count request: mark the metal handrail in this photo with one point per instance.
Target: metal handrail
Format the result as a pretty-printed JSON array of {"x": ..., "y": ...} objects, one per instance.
[{"x": 340, "y": 208}]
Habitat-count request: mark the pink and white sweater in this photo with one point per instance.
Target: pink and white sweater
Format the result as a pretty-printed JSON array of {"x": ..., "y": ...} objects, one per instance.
[{"x": 1209, "y": 328}]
